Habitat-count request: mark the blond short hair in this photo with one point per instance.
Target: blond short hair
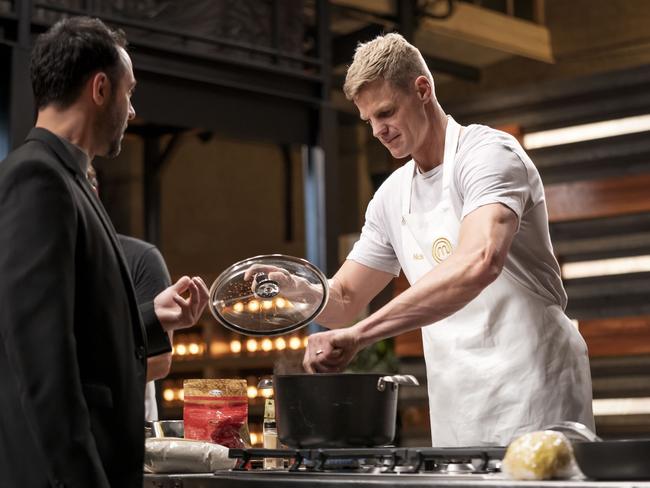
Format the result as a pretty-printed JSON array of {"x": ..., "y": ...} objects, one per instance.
[{"x": 389, "y": 57}]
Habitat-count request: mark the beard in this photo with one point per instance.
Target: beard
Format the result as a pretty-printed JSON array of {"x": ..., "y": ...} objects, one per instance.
[
  {"x": 111, "y": 128},
  {"x": 114, "y": 147},
  {"x": 117, "y": 128}
]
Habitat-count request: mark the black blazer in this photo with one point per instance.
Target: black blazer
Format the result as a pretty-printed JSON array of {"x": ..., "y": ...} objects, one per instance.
[{"x": 73, "y": 353}]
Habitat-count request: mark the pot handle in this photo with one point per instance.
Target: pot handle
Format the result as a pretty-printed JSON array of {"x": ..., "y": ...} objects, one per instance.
[
  {"x": 397, "y": 379},
  {"x": 265, "y": 383},
  {"x": 574, "y": 430}
]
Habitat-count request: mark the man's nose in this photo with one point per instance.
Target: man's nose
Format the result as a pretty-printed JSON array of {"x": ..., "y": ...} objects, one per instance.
[
  {"x": 131, "y": 112},
  {"x": 378, "y": 129}
]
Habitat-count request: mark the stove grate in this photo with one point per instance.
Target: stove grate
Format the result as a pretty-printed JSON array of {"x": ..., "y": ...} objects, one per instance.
[{"x": 478, "y": 460}]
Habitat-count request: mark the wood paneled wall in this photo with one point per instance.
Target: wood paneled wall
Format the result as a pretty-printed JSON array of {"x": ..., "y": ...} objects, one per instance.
[{"x": 598, "y": 198}]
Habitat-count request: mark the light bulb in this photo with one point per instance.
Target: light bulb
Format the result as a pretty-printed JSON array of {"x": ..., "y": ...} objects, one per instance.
[
  {"x": 216, "y": 348},
  {"x": 251, "y": 345},
  {"x": 295, "y": 343},
  {"x": 267, "y": 345},
  {"x": 280, "y": 344},
  {"x": 235, "y": 347}
]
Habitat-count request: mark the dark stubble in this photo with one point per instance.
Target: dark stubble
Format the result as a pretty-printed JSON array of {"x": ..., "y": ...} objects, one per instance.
[{"x": 115, "y": 122}]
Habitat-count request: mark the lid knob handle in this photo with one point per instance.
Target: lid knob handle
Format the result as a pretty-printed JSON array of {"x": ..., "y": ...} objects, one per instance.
[{"x": 263, "y": 287}]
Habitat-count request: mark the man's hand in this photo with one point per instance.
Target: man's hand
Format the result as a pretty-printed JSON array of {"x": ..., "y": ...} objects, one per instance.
[
  {"x": 174, "y": 311},
  {"x": 331, "y": 351},
  {"x": 291, "y": 286}
]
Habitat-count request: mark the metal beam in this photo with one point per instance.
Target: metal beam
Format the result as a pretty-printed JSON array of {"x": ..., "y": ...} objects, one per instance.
[
  {"x": 23, "y": 9},
  {"x": 151, "y": 181},
  {"x": 407, "y": 18},
  {"x": 5, "y": 77},
  {"x": 154, "y": 160},
  {"x": 288, "y": 193},
  {"x": 230, "y": 112},
  {"x": 327, "y": 139},
  {"x": 21, "y": 101}
]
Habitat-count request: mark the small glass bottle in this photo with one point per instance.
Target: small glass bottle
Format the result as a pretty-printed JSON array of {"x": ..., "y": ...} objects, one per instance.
[{"x": 270, "y": 435}]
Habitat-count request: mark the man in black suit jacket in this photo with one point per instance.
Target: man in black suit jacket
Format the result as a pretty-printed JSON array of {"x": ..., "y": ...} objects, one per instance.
[{"x": 74, "y": 343}]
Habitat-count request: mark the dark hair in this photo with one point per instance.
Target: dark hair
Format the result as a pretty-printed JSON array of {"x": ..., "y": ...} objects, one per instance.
[{"x": 65, "y": 57}]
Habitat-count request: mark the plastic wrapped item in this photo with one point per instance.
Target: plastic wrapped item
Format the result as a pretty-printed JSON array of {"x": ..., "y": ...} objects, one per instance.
[
  {"x": 216, "y": 411},
  {"x": 540, "y": 455},
  {"x": 170, "y": 455}
]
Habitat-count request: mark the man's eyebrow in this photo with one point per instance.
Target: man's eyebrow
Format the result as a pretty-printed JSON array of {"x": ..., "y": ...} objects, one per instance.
[
  {"x": 384, "y": 108},
  {"x": 378, "y": 111}
]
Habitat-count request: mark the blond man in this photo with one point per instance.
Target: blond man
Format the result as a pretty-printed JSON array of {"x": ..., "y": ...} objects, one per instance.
[{"x": 466, "y": 221}]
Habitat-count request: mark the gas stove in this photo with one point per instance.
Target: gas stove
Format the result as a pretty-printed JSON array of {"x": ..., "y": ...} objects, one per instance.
[
  {"x": 335, "y": 468},
  {"x": 473, "y": 462},
  {"x": 385, "y": 467}
]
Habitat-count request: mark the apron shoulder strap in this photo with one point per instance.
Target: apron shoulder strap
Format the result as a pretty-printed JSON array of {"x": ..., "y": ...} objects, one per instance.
[
  {"x": 407, "y": 176},
  {"x": 449, "y": 162},
  {"x": 451, "y": 145}
]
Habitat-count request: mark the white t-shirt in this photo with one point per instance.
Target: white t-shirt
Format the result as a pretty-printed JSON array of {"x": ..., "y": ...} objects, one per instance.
[{"x": 491, "y": 167}]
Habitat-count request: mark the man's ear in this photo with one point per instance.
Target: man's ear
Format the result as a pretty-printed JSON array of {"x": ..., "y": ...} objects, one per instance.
[
  {"x": 423, "y": 88},
  {"x": 100, "y": 88}
]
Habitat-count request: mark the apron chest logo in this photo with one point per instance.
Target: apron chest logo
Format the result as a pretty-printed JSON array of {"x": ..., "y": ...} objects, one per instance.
[{"x": 441, "y": 249}]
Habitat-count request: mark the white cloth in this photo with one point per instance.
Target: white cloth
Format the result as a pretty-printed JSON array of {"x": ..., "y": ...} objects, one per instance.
[
  {"x": 508, "y": 362},
  {"x": 490, "y": 167},
  {"x": 150, "y": 405}
]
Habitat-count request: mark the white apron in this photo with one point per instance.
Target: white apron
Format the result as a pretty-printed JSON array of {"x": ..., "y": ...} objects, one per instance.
[{"x": 508, "y": 362}]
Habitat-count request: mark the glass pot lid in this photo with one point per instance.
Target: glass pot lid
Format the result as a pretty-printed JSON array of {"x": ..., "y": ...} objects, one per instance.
[{"x": 268, "y": 295}]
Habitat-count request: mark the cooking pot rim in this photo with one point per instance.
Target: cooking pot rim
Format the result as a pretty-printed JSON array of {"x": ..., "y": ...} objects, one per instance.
[
  {"x": 322, "y": 375},
  {"x": 614, "y": 442}
]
